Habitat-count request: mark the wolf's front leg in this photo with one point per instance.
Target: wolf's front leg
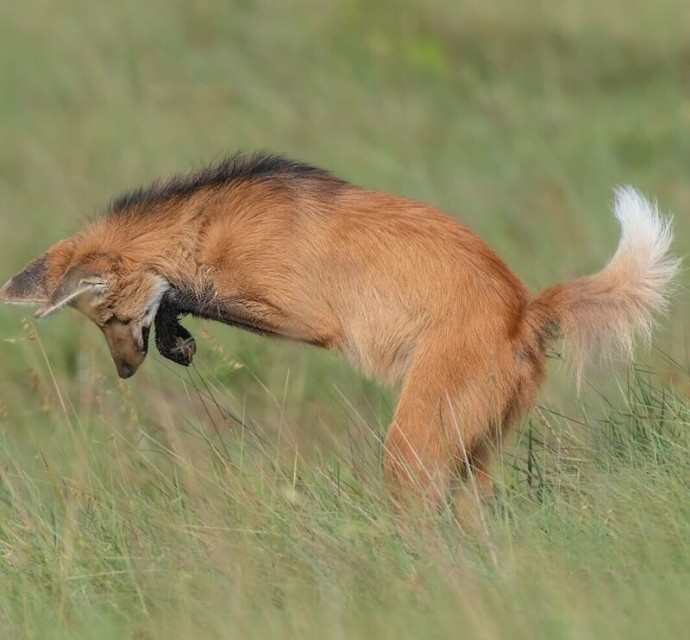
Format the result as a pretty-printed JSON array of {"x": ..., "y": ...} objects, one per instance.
[{"x": 173, "y": 341}]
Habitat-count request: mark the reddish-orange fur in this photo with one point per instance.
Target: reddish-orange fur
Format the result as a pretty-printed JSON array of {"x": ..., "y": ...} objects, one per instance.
[{"x": 408, "y": 294}]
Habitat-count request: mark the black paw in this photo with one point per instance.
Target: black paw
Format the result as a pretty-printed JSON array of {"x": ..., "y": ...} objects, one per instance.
[
  {"x": 183, "y": 350},
  {"x": 173, "y": 341}
]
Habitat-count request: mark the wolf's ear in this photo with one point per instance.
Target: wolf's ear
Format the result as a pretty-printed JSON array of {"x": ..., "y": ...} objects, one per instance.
[
  {"x": 78, "y": 283},
  {"x": 30, "y": 286}
]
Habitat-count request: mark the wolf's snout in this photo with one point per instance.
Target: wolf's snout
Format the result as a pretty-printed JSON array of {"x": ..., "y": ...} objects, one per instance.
[
  {"x": 127, "y": 350},
  {"x": 127, "y": 366},
  {"x": 125, "y": 370}
]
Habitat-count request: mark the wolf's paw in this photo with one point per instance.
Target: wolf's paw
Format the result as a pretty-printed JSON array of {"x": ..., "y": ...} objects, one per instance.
[
  {"x": 175, "y": 343},
  {"x": 183, "y": 351}
]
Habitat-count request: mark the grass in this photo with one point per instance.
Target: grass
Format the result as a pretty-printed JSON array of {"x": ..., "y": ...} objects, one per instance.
[{"x": 244, "y": 498}]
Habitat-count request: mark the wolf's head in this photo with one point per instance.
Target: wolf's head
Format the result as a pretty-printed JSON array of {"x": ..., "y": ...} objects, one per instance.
[{"x": 119, "y": 295}]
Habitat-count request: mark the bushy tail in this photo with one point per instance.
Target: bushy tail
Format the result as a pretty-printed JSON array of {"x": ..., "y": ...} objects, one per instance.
[{"x": 602, "y": 314}]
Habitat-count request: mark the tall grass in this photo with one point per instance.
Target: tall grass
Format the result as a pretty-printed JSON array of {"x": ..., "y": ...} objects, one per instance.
[
  {"x": 243, "y": 497},
  {"x": 206, "y": 522}
]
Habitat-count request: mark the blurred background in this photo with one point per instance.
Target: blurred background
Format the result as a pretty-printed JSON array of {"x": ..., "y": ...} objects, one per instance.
[
  {"x": 242, "y": 497},
  {"x": 517, "y": 117}
]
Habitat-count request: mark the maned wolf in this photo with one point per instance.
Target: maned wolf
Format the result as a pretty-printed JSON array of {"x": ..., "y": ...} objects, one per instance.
[{"x": 406, "y": 293}]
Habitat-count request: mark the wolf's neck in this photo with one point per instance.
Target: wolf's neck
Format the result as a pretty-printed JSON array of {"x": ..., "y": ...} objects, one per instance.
[{"x": 172, "y": 256}]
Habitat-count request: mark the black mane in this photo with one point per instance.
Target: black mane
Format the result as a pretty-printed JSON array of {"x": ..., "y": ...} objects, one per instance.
[{"x": 240, "y": 166}]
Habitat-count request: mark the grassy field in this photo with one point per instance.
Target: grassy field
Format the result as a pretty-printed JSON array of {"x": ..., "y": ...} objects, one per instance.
[{"x": 243, "y": 498}]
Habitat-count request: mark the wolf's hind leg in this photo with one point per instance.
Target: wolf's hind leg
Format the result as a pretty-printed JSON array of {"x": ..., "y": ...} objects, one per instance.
[
  {"x": 475, "y": 469},
  {"x": 446, "y": 408}
]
